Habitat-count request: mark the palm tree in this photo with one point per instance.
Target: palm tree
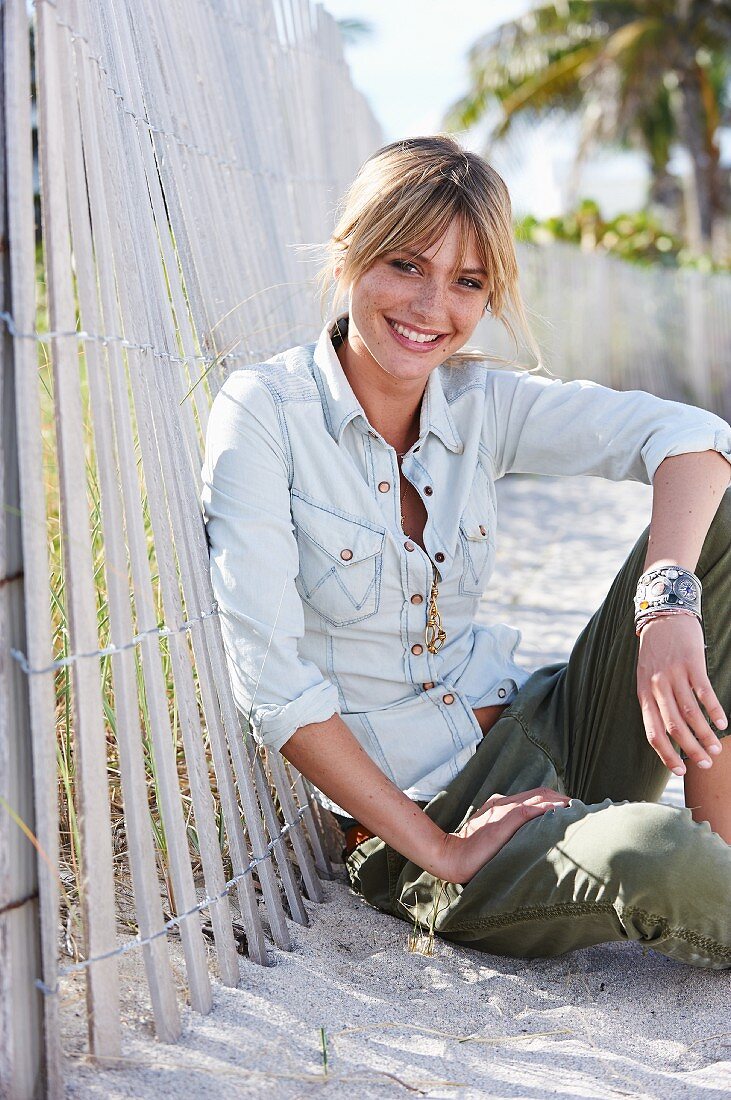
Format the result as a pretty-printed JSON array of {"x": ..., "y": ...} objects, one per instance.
[
  {"x": 648, "y": 73},
  {"x": 354, "y": 30}
]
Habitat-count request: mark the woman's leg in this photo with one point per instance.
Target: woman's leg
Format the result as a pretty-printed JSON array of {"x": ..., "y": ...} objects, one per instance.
[{"x": 589, "y": 873}]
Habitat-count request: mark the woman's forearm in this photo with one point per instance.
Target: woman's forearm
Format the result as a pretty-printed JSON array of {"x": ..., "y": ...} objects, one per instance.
[
  {"x": 330, "y": 756},
  {"x": 686, "y": 492}
]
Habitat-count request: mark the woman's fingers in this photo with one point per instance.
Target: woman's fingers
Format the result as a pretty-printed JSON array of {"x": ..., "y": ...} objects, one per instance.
[
  {"x": 679, "y": 729},
  {"x": 695, "y": 719},
  {"x": 534, "y": 796},
  {"x": 675, "y": 713},
  {"x": 656, "y": 734},
  {"x": 710, "y": 701}
]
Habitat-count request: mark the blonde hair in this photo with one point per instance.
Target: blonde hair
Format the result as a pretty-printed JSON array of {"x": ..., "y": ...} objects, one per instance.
[{"x": 406, "y": 195}]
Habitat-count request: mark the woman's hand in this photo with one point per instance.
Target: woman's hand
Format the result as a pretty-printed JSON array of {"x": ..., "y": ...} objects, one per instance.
[
  {"x": 672, "y": 681},
  {"x": 491, "y": 827}
]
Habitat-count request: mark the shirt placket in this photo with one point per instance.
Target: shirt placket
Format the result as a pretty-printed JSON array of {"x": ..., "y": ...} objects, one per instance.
[
  {"x": 416, "y": 568},
  {"x": 421, "y": 662}
]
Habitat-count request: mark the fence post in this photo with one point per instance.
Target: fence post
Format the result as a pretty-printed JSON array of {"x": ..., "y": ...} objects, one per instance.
[
  {"x": 30, "y": 1061},
  {"x": 21, "y": 1008}
]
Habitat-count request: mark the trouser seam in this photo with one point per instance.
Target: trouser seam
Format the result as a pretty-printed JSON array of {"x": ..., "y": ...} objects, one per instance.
[
  {"x": 709, "y": 946},
  {"x": 541, "y": 746}
]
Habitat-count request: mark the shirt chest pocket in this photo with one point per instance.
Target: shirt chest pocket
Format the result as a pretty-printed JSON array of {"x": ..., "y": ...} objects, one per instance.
[
  {"x": 340, "y": 563},
  {"x": 477, "y": 537}
]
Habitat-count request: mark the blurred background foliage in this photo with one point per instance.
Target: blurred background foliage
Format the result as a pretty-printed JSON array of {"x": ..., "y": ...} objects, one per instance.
[
  {"x": 639, "y": 237},
  {"x": 645, "y": 74}
]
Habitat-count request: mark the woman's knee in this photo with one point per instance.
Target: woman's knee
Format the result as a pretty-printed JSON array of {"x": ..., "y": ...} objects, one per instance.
[{"x": 656, "y": 859}]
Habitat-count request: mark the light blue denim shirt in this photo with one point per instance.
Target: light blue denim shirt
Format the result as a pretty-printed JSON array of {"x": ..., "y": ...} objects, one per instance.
[{"x": 323, "y": 599}]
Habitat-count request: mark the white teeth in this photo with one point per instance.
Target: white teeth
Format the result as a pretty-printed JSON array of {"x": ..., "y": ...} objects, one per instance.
[{"x": 417, "y": 337}]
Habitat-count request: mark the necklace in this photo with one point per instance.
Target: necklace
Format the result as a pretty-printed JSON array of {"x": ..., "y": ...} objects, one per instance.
[
  {"x": 404, "y": 491},
  {"x": 403, "y": 496},
  {"x": 435, "y": 634}
]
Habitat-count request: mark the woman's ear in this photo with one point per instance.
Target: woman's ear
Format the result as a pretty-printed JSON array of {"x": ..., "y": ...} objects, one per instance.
[{"x": 338, "y": 269}]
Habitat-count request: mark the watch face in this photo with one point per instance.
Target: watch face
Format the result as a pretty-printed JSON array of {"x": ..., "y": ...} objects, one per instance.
[{"x": 685, "y": 589}]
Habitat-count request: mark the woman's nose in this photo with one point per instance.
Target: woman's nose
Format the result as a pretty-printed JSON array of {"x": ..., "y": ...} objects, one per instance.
[{"x": 428, "y": 303}]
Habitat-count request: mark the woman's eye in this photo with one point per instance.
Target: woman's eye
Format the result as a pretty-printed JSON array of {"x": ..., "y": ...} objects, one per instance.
[
  {"x": 404, "y": 265},
  {"x": 472, "y": 284}
]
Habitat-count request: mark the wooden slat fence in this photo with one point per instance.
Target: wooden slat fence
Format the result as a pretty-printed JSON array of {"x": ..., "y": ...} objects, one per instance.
[
  {"x": 665, "y": 330},
  {"x": 185, "y": 148}
]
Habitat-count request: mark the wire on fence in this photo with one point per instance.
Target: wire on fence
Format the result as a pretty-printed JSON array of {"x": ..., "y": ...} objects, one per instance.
[
  {"x": 110, "y": 650},
  {"x": 137, "y": 943}
]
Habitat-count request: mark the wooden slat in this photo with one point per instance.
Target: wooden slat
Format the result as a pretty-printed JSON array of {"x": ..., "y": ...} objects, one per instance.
[
  {"x": 312, "y": 823},
  {"x": 303, "y": 853},
  {"x": 274, "y": 825},
  {"x": 97, "y": 885},
  {"x": 29, "y": 1038}
]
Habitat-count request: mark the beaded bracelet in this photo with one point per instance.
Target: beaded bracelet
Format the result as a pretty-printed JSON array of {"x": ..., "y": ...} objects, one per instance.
[{"x": 644, "y": 619}]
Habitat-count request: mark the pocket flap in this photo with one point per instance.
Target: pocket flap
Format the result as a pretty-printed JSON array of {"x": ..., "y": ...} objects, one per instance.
[
  {"x": 473, "y": 529},
  {"x": 346, "y": 541}
]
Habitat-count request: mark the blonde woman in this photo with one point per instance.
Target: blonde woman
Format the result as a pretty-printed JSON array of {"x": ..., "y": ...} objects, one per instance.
[{"x": 350, "y": 506}]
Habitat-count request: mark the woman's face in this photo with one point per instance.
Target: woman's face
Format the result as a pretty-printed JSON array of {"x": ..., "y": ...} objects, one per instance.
[{"x": 408, "y": 312}]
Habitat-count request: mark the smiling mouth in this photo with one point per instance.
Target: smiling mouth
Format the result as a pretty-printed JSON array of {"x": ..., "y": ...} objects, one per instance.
[{"x": 413, "y": 338}]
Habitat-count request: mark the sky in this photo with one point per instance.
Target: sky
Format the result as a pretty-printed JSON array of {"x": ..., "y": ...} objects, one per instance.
[
  {"x": 414, "y": 66},
  {"x": 415, "y": 63}
]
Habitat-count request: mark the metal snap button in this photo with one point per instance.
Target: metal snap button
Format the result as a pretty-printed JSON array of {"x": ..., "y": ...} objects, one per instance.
[
  {"x": 482, "y": 530},
  {"x": 448, "y": 700},
  {"x": 439, "y": 556},
  {"x": 417, "y": 649},
  {"x": 346, "y": 555},
  {"x": 428, "y": 490},
  {"x": 409, "y": 546},
  {"x": 428, "y": 685},
  {"x": 501, "y": 693},
  {"x": 384, "y": 486},
  {"x": 417, "y": 598}
]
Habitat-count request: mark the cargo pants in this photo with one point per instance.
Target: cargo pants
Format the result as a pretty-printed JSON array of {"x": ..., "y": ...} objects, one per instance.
[{"x": 613, "y": 865}]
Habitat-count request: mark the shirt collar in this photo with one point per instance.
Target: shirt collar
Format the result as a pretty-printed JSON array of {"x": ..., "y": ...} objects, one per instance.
[{"x": 341, "y": 405}]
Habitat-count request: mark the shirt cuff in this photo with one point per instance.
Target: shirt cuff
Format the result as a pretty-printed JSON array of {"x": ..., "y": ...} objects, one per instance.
[
  {"x": 274, "y": 724},
  {"x": 693, "y": 440}
]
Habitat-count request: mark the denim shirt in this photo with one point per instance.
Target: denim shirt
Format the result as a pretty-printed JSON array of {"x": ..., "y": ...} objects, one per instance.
[{"x": 323, "y": 599}]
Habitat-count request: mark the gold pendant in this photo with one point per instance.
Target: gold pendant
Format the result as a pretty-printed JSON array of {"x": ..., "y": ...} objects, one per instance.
[{"x": 436, "y": 636}]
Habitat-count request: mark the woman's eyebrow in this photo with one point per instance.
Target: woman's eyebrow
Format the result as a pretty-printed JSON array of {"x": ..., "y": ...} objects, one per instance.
[{"x": 425, "y": 259}]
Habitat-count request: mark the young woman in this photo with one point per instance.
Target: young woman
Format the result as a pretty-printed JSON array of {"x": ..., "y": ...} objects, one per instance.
[{"x": 350, "y": 506}]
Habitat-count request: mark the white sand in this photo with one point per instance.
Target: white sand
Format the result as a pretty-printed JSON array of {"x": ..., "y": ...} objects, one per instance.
[{"x": 602, "y": 1022}]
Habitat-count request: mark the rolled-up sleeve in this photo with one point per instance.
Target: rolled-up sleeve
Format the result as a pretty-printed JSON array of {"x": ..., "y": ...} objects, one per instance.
[
  {"x": 254, "y": 562},
  {"x": 543, "y": 425}
]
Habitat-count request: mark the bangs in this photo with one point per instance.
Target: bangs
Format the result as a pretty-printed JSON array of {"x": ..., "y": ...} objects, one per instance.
[{"x": 426, "y": 219}]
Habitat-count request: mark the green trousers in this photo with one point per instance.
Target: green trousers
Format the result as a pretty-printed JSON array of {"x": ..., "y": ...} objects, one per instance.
[{"x": 611, "y": 866}]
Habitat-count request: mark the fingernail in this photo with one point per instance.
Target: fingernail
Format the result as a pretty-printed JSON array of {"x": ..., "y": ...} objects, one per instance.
[
  {"x": 679, "y": 771},
  {"x": 715, "y": 749},
  {"x": 722, "y": 723},
  {"x": 705, "y": 763}
]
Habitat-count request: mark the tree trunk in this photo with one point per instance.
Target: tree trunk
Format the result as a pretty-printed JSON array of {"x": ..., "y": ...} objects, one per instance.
[{"x": 693, "y": 124}]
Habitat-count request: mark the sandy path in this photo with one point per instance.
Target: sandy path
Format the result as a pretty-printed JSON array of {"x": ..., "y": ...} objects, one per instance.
[{"x": 602, "y": 1022}]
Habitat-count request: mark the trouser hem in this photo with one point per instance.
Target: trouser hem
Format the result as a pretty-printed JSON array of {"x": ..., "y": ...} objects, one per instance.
[{"x": 704, "y": 945}]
